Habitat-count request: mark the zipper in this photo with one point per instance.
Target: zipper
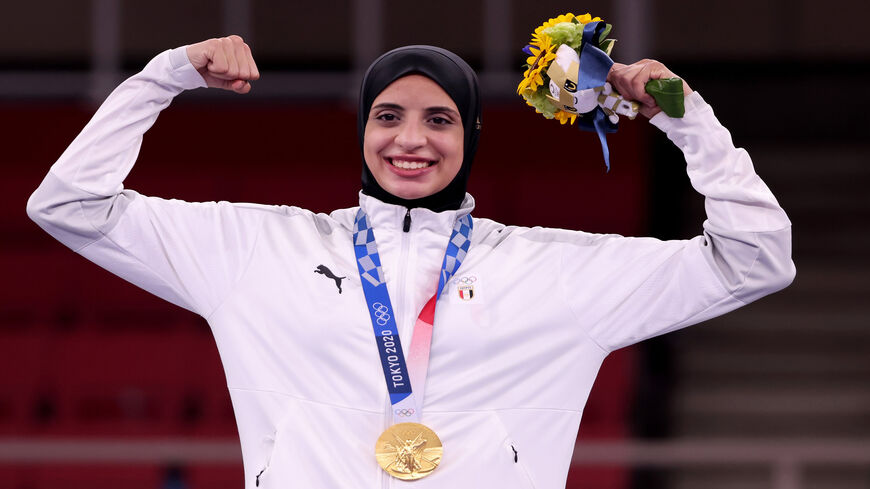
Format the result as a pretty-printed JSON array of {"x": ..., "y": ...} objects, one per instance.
[
  {"x": 400, "y": 300},
  {"x": 403, "y": 270},
  {"x": 406, "y": 226},
  {"x": 521, "y": 468},
  {"x": 385, "y": 479},
  {"x": 268, "y": 444}
]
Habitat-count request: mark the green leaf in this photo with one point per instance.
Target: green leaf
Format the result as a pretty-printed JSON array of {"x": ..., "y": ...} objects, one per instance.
[
  {"x": 607, "y": 46},
  {"x": 606, "y": 31}
]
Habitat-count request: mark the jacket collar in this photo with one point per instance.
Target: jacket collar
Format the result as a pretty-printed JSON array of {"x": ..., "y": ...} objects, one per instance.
[{"x": 391, "y": 217}]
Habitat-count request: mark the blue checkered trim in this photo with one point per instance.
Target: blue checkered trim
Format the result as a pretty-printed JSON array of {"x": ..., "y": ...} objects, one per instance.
[
  {"x": 370, "y": 263},
  {"x": 457, "y": 248},
  {"x": 378, "y": 299}
]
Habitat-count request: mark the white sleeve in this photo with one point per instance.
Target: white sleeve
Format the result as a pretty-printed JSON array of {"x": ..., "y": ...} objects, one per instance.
[
  {"x": 648, "y": 287},
  {"x": 187, "y": 253}
]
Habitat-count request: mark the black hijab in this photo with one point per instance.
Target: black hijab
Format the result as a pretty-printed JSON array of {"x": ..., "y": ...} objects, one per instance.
[{"x": 458, "y": 80}]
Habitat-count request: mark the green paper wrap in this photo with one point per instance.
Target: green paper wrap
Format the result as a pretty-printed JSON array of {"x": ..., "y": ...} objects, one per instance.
[{"x": 668, "y": 93}]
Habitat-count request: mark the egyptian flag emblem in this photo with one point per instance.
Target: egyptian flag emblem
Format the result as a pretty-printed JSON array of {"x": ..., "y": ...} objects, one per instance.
[
  {"x": 466, "y": 292},
  {"x": 465, "y": 287}
]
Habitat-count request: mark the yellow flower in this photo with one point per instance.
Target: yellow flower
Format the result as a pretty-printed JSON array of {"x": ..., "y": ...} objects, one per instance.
[
  {"x": 542, "y": 54},
  {"x": 583, "y": 19},
  {"x": 565, "y": 117},
  {"x": 586, "y": 18},
  {"x": 556, "y": 20}
]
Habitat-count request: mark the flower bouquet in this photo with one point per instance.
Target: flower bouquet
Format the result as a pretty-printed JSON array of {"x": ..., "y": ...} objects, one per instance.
[{"x": 566, "y": 77}]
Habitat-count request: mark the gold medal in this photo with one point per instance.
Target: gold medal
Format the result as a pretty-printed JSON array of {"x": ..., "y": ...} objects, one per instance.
[{"x": 408, "y": 451}]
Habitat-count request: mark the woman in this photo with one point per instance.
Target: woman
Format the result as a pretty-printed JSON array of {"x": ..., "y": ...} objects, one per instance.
[{"x": 524, "y": 316}]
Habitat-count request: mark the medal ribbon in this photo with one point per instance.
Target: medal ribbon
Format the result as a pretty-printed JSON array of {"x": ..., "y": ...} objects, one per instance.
[{"x": 406, "y": 406}]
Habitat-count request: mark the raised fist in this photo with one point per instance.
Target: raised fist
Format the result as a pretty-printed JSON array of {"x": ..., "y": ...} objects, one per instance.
[
  {"x": 630, "y": 82},
  {"x": 224, "y": 63}
]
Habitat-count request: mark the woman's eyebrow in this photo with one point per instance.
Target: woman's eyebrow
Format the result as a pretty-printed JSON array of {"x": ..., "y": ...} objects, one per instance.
[
  {"x": 386, "y": 105},
  {"x": 446, "y": 110}
]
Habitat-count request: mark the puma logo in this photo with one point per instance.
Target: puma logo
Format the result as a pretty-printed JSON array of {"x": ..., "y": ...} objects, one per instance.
[{"x": 321, "y": 269}]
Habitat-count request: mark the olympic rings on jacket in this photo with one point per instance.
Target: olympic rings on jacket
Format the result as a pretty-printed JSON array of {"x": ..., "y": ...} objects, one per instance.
[{"x": 470, "y": 279}]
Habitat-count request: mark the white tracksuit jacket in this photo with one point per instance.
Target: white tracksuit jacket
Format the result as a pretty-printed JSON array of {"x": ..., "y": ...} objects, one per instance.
[{"x": 510, "y": 369}]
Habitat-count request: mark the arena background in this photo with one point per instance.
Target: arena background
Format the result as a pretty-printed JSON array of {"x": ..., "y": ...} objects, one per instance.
[{"x": 104, "y": 386}]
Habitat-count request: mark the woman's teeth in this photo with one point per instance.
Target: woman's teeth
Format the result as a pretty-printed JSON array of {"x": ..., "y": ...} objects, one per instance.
[{"x": 409, "y": 165}]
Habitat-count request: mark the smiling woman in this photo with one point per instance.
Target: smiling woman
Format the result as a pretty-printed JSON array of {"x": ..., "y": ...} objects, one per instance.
[
  {"x": 413, "y": 139},
  {"x": 418, "y": 123},
  {"x": 492, "y": 396}
]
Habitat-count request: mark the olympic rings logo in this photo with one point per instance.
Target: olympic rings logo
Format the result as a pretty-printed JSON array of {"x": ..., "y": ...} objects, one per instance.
[
  {"x": 466, "y": 280},
  {"x": 382, "y": 313},
  {"x": 404, "y": 412}
]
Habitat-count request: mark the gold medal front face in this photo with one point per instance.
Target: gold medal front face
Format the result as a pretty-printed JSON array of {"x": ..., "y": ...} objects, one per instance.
[{"x": 408, "y": 451}]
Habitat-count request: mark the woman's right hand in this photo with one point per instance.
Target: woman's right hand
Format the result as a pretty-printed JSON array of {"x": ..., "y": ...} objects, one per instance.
[{"x": 224, "y": 63}]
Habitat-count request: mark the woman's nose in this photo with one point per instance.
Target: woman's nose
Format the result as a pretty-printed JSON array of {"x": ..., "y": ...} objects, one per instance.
[{"x": 411, "y": 136}]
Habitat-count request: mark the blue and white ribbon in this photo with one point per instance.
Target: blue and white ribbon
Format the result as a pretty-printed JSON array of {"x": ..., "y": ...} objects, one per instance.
[
  {"x": 383, "y": 316},
  {"x": 592, "y": 73}
]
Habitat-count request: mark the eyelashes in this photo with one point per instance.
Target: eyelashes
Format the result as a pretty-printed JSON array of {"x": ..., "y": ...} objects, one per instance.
[{"x": 438, "y": 120}]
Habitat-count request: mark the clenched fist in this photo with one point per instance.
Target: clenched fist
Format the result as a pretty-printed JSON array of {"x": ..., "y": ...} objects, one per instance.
[
  {"x": 224, "y": 63},
  {"x": 630, "y": 82}
]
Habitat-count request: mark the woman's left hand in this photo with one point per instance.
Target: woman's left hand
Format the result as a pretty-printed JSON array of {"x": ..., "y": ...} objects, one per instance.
[{"x": 630, "y": 82}]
